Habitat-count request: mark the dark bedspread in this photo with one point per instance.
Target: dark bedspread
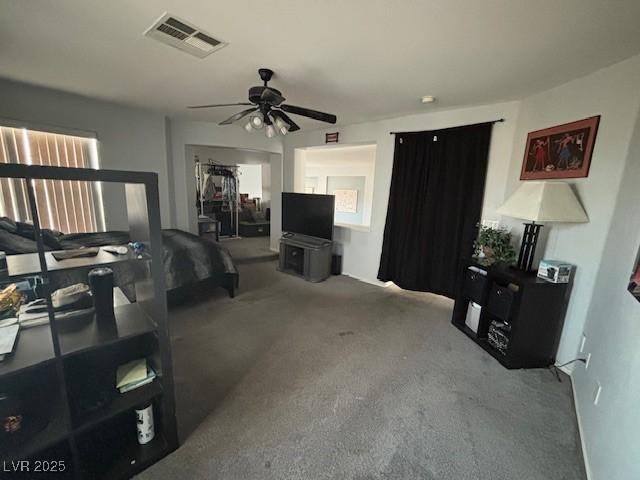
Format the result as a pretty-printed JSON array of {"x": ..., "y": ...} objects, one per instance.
[{"x": 187, "y": 257}]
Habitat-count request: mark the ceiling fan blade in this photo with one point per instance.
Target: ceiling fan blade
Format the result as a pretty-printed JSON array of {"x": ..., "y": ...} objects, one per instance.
[
  {"x": 220, "y": 105},
  {"x": 271, "y": 97},
  {"x": 287, "y": 119},
  {"x": 238, "y": 116},
  {"x": 307, "y": 112}
]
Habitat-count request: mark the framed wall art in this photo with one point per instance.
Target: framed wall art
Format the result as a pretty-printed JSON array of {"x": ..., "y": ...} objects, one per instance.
[{"x": 563, "y": 151}]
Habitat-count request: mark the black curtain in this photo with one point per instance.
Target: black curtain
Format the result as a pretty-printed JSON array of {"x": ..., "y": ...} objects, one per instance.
[{"x": 435, "y": 203}]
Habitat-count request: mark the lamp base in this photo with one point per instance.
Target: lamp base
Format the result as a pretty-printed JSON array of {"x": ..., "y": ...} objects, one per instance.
[{"x": 528, "y": 247}]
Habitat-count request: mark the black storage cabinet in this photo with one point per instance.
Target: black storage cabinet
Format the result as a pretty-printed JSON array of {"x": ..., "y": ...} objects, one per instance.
[{"x": 531, "y": 310}]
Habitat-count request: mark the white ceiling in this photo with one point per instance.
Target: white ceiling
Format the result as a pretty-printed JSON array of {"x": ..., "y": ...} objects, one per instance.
[{"x": 359, "y": 59}]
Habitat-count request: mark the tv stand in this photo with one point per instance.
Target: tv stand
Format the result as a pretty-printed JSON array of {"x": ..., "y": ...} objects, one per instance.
[{"x": 306, "y": 257}]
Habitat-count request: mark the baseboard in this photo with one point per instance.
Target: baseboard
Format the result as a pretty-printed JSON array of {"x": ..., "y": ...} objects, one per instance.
[
  {"x": 580, "y": 431},
  {"x": 370, "y": 282},
  {"x": 566, "y": 369}
]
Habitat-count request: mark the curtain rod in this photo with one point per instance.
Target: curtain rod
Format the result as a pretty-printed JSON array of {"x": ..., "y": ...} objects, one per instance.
[{"x": 500, "y": 120}]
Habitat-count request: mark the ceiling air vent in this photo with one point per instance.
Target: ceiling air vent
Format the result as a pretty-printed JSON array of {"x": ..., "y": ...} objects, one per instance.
[{"x": 184, "y": 36}]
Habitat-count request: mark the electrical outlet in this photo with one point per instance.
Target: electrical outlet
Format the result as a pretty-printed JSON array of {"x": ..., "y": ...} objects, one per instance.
[
  {"x": 583, "y": 343},
  {"x": 586, "y": 364},
  {"x": 596, "y": 397}
]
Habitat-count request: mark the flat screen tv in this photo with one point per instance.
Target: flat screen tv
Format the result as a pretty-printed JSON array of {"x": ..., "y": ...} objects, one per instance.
[{"x": 308, "y": 214}]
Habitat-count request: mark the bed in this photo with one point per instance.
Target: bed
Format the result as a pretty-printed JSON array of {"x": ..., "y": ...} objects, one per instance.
[{"x": 188, "y": 259}]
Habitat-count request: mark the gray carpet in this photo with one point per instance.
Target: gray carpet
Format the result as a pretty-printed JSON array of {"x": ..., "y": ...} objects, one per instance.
[
  {"x": 345, "y": 380},
  {"x": 249, "y": 249}
]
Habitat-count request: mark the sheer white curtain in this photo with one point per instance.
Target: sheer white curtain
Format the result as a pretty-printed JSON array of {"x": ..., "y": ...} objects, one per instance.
[{"x": 68, "y": 206}]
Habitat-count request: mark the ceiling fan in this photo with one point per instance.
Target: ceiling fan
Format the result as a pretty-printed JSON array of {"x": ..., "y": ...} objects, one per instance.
[{"x": 267, "y": 110}]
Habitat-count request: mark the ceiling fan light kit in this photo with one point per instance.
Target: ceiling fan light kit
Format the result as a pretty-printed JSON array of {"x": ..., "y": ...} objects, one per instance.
[
  {"x": 270, "y": 132},
  {"x": 267, "y": 109},
  {"x": 256, "y": 121}
]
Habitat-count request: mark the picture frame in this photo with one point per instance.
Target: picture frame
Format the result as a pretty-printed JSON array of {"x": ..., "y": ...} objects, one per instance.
[{"x": 563, "y": 151}]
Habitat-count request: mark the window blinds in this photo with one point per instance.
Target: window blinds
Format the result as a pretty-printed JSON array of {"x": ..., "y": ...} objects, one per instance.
[{"x": 68, "y": 206}]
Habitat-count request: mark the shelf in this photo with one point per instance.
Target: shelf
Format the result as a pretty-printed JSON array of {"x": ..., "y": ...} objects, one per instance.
[
  {"x": 100, "y": 441},
  {"x": 137, "y": 458},
  {"x": 121, "y": 403},
  {"x": 112, "y": 451},
  {"x": 34, "y": 441},
  {"x": 28, "y": 264},
  {"x": 130, "y": 321},
  {"x": 39, "y": 442},
  {"x": 33, "y": 347},
  {"x": 486, "y": 346}
]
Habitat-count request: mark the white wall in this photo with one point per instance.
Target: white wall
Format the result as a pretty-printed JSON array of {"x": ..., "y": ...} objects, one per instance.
[
  {"x": 250, "y": 180},
  {"x": 362, "y": 249},
  {"x": 129, "y": 138},
  {"x": 186, "y": 133},
  {"x": 266, "y": 183},
  {"x": 276, "y": 200},
  {"x": 613, "y": 93},
  {"x": 611, "y": 430}
]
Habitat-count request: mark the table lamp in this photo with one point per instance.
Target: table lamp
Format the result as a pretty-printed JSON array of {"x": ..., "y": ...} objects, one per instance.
[{"x": 541, "y": 202}]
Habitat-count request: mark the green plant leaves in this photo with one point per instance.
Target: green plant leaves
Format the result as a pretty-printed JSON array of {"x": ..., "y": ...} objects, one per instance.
[{"x": 496, "y": 242}]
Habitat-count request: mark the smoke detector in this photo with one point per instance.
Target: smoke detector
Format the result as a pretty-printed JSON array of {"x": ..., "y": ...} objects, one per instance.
[{"x": 184, "y": 36}]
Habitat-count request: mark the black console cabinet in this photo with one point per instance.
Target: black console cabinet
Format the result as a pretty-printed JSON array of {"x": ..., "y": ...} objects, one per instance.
[{"x": 521, "y": 317}]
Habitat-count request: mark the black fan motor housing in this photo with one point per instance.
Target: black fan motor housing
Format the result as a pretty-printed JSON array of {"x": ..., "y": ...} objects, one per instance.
[{"x": 255, "y": 93}]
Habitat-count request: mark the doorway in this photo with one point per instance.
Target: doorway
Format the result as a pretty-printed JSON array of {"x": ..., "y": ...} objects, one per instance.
[{"x": 234, "y": 201}]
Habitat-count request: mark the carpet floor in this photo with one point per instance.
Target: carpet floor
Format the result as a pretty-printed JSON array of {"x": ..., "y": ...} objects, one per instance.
[
  {"x": 249, "y": 249},
  {"x": 346, "y": 380}
]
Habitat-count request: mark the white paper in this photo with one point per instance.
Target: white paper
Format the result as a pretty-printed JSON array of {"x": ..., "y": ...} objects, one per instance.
[{"x": 346, "y": 201}]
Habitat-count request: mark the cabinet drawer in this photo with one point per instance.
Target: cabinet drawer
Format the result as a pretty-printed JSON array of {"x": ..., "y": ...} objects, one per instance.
[
  {"x": 475, "y": 286},
  {"x": 500, "y": 301}
]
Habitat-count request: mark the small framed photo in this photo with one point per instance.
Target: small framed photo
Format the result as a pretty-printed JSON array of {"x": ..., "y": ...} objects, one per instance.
[{"x": 563, "y": 151}]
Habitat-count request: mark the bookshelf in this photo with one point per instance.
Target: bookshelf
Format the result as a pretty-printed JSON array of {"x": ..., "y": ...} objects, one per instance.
[
  {"x": 64, "y": 373},
  {"x": 529, "y": 310}
]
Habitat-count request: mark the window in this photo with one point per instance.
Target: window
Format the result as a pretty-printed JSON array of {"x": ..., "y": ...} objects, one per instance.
[
  {"x": 344, "y": 171},
  {"x": 67, "y": 206}
]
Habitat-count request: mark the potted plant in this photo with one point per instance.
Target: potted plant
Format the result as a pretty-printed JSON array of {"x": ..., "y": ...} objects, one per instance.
[{"x": 493, "y": 245}]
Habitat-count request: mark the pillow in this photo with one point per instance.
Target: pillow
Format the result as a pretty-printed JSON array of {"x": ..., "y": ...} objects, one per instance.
[{"x": 8, "y": 224}]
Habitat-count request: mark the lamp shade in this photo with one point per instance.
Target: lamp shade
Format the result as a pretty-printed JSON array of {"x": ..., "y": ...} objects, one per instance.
[{"x": 544, "y": 202}]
